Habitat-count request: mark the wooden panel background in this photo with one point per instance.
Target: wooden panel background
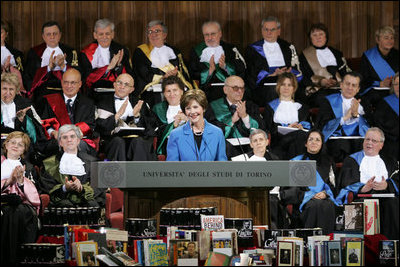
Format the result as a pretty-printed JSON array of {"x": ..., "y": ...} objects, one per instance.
[{"x": 351, "y": 23}]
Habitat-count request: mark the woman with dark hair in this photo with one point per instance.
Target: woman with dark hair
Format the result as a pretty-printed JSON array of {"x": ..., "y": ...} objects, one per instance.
[
  {"x": 197, "y": 140},
  {"x": 314, "y": 206},
  {"x": 285, "y": 112},
  {"x": 19, "y": 198},
  {"x": 322, "y": 66}
]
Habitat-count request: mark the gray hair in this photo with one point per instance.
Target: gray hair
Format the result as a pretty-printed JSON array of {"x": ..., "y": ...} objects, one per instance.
[
  {"x": 210, "y": 22},
  {"x": 271, "y": 19},
  {"x": 392, "y": 85},
  {"x": 68, "y": 127},
  {"x": 376, "y": 129},
  {"x": 384, "y": 30},
  {"x": 157, "y": 22},
  {"x": 255, "y": 131},
  {"x": 103, "y": 23}
]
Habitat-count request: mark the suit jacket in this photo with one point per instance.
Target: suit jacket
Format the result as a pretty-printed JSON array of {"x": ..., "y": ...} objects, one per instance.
[
  {"x": 96, "y": 77},
  {"x": 36, "y": 76},
  {"x": 183, "y": 147}
]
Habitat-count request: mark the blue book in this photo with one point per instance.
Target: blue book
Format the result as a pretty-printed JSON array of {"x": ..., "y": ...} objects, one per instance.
[{"x": 140, "y": 251}]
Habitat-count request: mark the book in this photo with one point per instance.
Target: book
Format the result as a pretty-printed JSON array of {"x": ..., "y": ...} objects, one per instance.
[
  {"x": 244, "y": 228},
  {"x": 334, "y": 253},
  {"x": 388, "y": 252},
  {"x": 354, "y": 253},
  {"x": 285, "y": 253},
  {"x": 146, "y": 249},
  {"x": 298, "y": 248},
  {"x": 204, "y": 240},
  {"x": 86, "y": 253},
  {"x": 212, "y": 222},
  {"x": 158, "y": 255},
  {"x": 188, "y": 253},
  {"x": 354, "y": 216},
  {"x": 217, "y": 259},
  {"x": 371, "y": 217},
  {"x": 222, "y": 242},
  {"x": 117, "y": 240}
]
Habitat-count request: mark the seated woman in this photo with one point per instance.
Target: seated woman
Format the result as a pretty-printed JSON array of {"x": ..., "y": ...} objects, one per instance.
[
  {"x": 67, "y": 174},
  {"x": 283, "y": 111},
  {"x": 20, "y": 200},
  {"x": 322, "y": 66},
  {"x": 197, "y": 140},
  {"x": 386, "y": 117},
  {"x": 169, "y": 112},
  {"x": 314, "y": 206}
]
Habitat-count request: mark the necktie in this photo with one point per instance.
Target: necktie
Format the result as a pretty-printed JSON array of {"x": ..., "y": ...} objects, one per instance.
[
  {"x": 70, "y": 110},
  {"x": 232, "y": 108}
]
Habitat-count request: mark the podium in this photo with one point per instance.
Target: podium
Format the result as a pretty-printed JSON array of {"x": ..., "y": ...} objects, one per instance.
[{"x": 236, "y": 188}]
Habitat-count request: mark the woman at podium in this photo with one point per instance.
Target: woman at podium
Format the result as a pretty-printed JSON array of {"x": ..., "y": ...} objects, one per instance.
[{"x": 197, "y": 140}]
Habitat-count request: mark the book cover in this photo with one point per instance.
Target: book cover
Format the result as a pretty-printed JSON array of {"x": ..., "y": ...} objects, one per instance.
[
  {"x": 354, "y": 216},
  {"x": 176, "y": 246},
  {"x": 117, "y": 241},
  {"x": 86, "y": 253},
  {"x": 204, "y": 240},
  {"x": 158, "y": 255},
  {"x": 212, "y": 222},
  {"x": 388, "y": 252},
  {"x": 188, "y": 253},
  {"x": 244, "y": 227},
  {"x": 334, "y": 253},
  {"x": 354, "y": 253},
  {"x": 217, "y": 259},
  {"x": 222, "y": 242},
  {"x": 285, "y": 253},
  {"x": 298, "y": 249},
  {"x": 371, "y": 219}
]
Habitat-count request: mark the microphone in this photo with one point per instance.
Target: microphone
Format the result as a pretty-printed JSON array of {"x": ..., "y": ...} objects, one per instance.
[{"x": 237, "y": 137}]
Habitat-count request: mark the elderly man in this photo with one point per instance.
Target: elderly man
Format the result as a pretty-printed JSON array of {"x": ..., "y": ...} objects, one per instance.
[
  {"x": 342, "y": 114},
  {"x": 268, "y": 58},
  {"x": 213, "y": 60},
  {"x": 157, "y": 60},
  {"x": 234, "y": 115},
  {"x": 369, "y": 172},
  {"x": 378, "y": 65},
  {"x": 47, "y": 62},
  {"x": 67, "y": 174},
  {"x": 68, "y": 107},
  {"x": 104, "y": 59},
  {"x": 122, "y": 110}
]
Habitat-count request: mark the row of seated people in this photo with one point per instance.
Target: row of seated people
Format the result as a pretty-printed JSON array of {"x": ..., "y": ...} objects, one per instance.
[{"x": 319, "y": 69}]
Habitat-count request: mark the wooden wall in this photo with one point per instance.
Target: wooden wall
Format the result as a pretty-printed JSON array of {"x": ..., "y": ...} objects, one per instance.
[{"x": 351, "y": 23}]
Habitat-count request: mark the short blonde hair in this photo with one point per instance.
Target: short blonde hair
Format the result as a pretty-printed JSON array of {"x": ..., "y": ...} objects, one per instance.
[
  {"x": 17, "y": 134},
  {"x": 11, "y": 78},
  {"x": 384, "y": 30}
]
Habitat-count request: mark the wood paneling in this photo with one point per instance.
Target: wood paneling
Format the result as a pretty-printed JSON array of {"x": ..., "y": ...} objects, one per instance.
[{"x": 351, "y": 23}]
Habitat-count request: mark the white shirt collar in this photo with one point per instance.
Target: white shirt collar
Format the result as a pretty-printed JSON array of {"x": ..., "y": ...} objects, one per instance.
[
  {"x": 160, "y": 56},
  {"x": 372, "y": 166},
  {"x": 4, "y": 54},
  {"x": 8, "y": 113},
  {"x": 47, "y": 53},
  {"x": 71, "y": 164},
  {"x": 72, "y": 98},
  {"x": 7, "y": 167},
  {"x": 273, "y": 54},
  {"x": 287, "y": 112},
  {"x": 101, "y": 57},
  {"x": 171, "y": 112},
  {"x": 326, "y": 57},
  {"x": 209, "y": 51}
]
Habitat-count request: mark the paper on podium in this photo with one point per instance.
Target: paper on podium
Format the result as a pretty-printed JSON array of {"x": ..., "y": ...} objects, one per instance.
[
  {"x": 381, "y": 88},
  {"x": 235, "y": 142},
  {"x": 346, "y": 137},
  {"x": 217, "y": 84},
  {"x": 126, "y": 130},
  {"x": 104, "y": 90},
  {"x": 270, "y": 84},
  {"x": 285, "y": 130}
]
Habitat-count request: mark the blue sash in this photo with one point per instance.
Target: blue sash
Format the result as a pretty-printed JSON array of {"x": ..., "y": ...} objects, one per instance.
[
  {"x": 319, "y": 187},
  {"x": 381, "y": 67},
  {"x": 393, "y": 102}
]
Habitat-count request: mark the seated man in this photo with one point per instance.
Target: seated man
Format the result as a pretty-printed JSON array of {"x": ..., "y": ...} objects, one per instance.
[
  {"x": 369, "y": 172},
  {"x": 104, "y": 59},
  {"x": 47, "y": 62},
  {"x": 378, "y": 65},
  {"x": 213, "y": 60},
  {"x": 268, "y": 58},
  {"x": 68, "y": 107},
  {"x": 157, "y": 60},
  {"x": 67, "y": 174},
  {"x": 342, "y": 114},
  {"x": 233, "y": 115},
  {"x": 122, "y": 109}
]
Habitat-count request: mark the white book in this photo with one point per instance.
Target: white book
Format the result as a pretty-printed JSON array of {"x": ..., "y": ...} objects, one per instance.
[{"x": 222, "y": 242}]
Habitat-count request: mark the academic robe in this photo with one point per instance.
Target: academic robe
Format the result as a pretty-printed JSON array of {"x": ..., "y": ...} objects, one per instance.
[
  {"x": 18, "y": 57},
  {"x": 313, "y": 73},
  {"x": 309, "y": 212},
  {"x": 37, "y": 80},
  {"x": 118, "y": 148},
  {"x": 289, "y": 145},
  {"x": 349, "y": 181},
  {"x": 235, "y": 65},
  {"x": 94, "y": 78},
  {"x": 19, "y": 218},
  {"x": 146, "y": 75},
  {"x": 386, "y": 118},
  {"x": 258, "y": 70},
  {"x": 53, "y": 181}
]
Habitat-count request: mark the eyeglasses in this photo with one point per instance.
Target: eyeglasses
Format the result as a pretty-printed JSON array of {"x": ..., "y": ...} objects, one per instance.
[
  {"x": 236, "y": 88},
  {"x": 150, "y": 32},
  {"x": 73, "y": 83},
  {"x": 119, "y": 83},
  {"x": 374, "y": 141}
]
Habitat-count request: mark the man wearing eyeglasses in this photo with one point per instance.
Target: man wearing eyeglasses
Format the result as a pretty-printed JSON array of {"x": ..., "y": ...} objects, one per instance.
[
  {"x": 47, "y": 62},
  {"x": 104, "y": 59},
  {"x": 268, "y": 58},
  {"x": 234, "y": 115},
  {"x": 369, "y": 172},
  {"x": 123, "y": 109},
  {"x": 213, "y": 60},
  {"x": 68, "y": 107},
  {"x": 156, "y": 60}
]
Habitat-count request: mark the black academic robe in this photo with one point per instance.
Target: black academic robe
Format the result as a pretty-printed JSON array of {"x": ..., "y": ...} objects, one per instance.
[
  {"x": 37, "y": 79},
  {"x": 145, "y": 73},
  {"x": 315, "y": 213},
  {"x": 234, "y": 61},
  {"x": 389, "y": 207},
  {"x": 94, "y": 78},
  {"x": 386, "y": 119},
  {"x": 138, "y": 148},
  {"x": 311, "y": 79},
  {"x": 257, "y": 63}
]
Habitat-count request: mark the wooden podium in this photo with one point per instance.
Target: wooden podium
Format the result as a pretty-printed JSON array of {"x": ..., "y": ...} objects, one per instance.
[{"x": 236, "y": 189}]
